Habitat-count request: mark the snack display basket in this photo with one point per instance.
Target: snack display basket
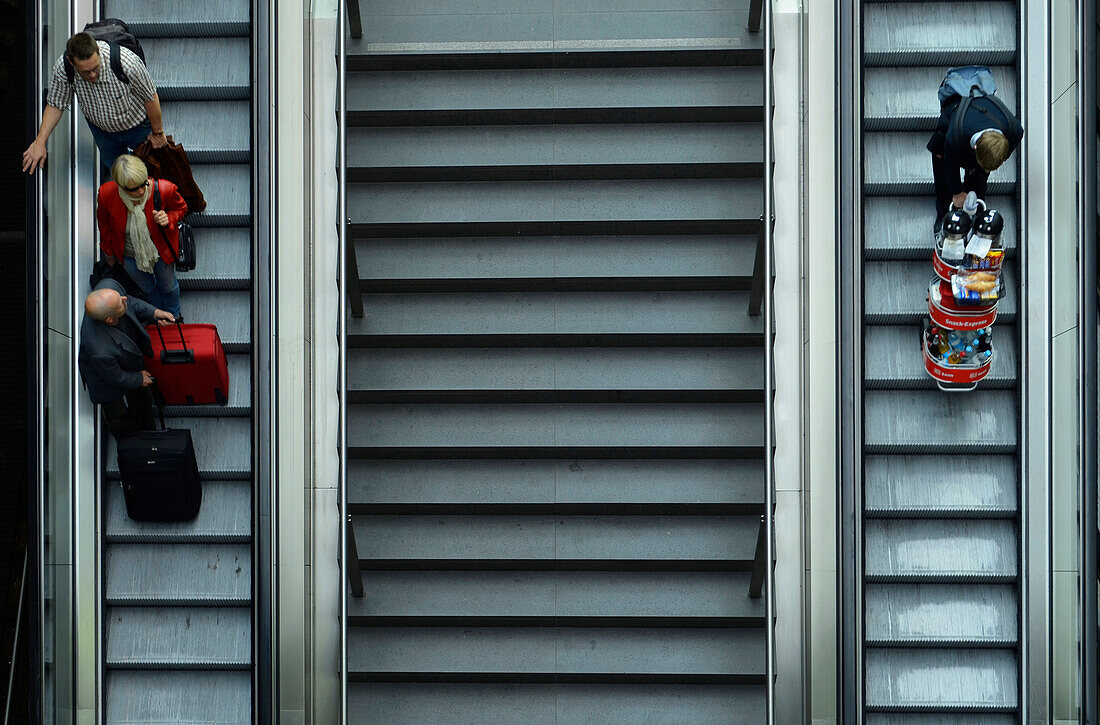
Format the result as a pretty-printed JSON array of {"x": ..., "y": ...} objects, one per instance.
[{"x": 946, "y": 313}]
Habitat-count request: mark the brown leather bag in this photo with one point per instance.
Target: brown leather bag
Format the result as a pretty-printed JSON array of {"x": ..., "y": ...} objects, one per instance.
[{"x": 171, "y": 163}]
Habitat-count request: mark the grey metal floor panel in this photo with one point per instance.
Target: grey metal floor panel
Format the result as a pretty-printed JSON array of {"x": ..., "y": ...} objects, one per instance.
[
  {"x": 225, "y": 261},
  {"x": 396, "y": 147},
  {"x": 531, "y": 259},
  {"x": 604, "y": 201},
  {"x": 150, "y": 697},
  {"x": 556, "y": 425},
  {"x": 935, "y": 549},
  {"x": 556, "y": 391},
  {"x": 706, "y": 313},
  {"x": 937, "y": 485},
  {"x": 177, "y": 638},
  {"x": 182, "y": 574},
  {"x": 512, "y": 704},
  {"x": 195, "y": 637},
  {"x": 552, "y": 369},
  {"x": 940, "y": 483},
  {"x": 923, "y": 33},
  {"x": 552, "y": 651},
  {"x": 533, "y": 538},
  {"x": 591, "y": 88},
  {"x": 376, "y": 484},
  {"x": 939, "y": 679},
  {"x": 212, "y": 131},
  {"x": 494, "y": 597},
  {"x": 901, "y": 227},
  {"x": 977, "y": 616},
  {"x": 934, "y": 421}
]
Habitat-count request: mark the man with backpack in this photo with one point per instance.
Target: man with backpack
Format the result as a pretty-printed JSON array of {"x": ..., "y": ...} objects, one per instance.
[
  {"x": 104, "y": 66},
  {"x": 975, "y": 134}
]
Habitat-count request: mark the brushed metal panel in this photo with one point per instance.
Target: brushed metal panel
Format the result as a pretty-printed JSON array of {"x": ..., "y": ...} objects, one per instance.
[
  {"x": 928, "y": 614},
  {"x": 925, "y": 421},
  {"x": 928, "y": 485},
  {"x": 179, "y": 637},
  {"x": 978, "y": 550},
  {"x": 941, "y": 679}
]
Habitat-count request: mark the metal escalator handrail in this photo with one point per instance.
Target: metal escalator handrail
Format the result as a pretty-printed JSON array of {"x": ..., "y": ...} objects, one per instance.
[
  {"x": 1087, "y": 364},
  {"x": 342, "y": 434},
  {"x": 769, "y": 443}
]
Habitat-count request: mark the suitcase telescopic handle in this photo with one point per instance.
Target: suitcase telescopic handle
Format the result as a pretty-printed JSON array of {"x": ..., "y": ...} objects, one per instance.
[
  {"x": 175, "y": 357},
  {"x": 158, "y": 402}
]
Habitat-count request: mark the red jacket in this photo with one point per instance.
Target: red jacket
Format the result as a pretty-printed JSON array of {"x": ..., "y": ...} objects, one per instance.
[{"x": 111, "y": 213}]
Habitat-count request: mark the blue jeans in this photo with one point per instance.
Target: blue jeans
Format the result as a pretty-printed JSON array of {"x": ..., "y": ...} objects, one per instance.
[
  {"x": 112, "y": 145},
  {"x": 160, "y": 287}
]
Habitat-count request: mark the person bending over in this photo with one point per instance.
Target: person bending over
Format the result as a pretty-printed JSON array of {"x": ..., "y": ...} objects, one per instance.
[
  {"x": 113, "y": 343},
  {"x": 966, "y": 149},
  {"x": 121, "y": 115},
  {"x": 147, "y": 240}
]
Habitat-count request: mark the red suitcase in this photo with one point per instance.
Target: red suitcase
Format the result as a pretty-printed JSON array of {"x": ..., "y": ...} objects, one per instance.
[{"x": 189, "y": 364}]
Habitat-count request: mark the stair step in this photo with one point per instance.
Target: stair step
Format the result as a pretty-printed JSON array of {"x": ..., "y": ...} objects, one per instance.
[
  {"x": 935, "y": 33},
  {"x": 562, "y": 598},
  {"x": 184, "y": 575},
  {"x": 229, "y": 310},
  {"x": 227, "y": 189},
  {"x": 937, "y": 550},
  {"x": 565, "y": 313},
  {"x": 893, "y": 358},
  {"x": 616, "y": 203},
  {"x": 896, "y": 293},
  {"x": 555, "y": 655},
  {"x": 728, "y": 429},
  {"x": 194, "y": 19},
  {"x": 940, "y": 718},
  {"x": 930, "y": 615},
  {"x": 178, "y": 638},
  {"x": 212, "y": 131},
  {"x": 555, "y": 374},
  {"x": 223, "y": 447},
  {"x": 938, "y": 486},
  {"x": 140, "y": 697},
  {"x": 223, "y": 260},
  {"x": 932, "y": 421},
  {"x": 568, "y": 543},
  {"x": 517, "y": 704},
  {"x": 963, "y": 680},
  {"x": 905, "y": 99},
  {"x": 182, "y": 69},
  {"x": 225, "y": 517},
  {"x": 497, "y": 26},
  {"x": 376, "y": 484},
  {"x": 555, "y": 262},
  {"x": 899, "y": 227},
  {"x": 556, "y": 95},
  {"x": 897, "y": 162},
  {"x": 546, "y": 152}
]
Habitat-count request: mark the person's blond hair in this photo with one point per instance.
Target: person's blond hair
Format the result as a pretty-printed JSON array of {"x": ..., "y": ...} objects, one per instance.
[
  {"x": 129, "y": 171},
  {"x": 991, "y": 150}
]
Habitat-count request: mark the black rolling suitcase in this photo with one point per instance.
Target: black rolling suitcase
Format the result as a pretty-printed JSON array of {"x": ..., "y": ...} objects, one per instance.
[{"x": 160, "y": 477}]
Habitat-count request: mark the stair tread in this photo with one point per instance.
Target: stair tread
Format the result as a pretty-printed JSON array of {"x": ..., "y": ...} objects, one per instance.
[
  {"x": 183, "y": 64},
  {"x": 210, "y": 129},
  {"x": 938, "y": 679},
  {"x": 208, "y": 574},
  {"x": 893, "y": 160},
  {"x": 925, "y": 420},
  {"x": 897, "y": 292},
  {"x": 937, "y": 549},
  {"x": 184, "y": 636},
  {"x": 900, "y": 227},
  {"x": 935, "y": 614},
  {"x": 933, "y": 31},
  {"x": 140, "y": 697},
  {"x": 893, "y": 358},
  {"x": 226, "y": 515},
  {"x": 223, "y": 446},
  {"x": 937, "y": 484}
]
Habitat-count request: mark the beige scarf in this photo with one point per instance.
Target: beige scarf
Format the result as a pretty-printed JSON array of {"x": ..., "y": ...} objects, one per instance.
[{"x": 137, "y": 230}]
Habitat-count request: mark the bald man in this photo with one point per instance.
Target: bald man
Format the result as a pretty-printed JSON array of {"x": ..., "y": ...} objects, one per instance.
[{"x": 113, "y": 343}]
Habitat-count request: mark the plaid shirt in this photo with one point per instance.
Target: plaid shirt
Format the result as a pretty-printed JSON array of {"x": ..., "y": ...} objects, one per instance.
[{"x": 108, "y": 103}]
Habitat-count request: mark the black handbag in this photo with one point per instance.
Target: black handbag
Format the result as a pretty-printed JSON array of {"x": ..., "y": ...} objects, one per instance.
[
  {"x": 185, "y": 260},
  {"x": 101, "y": 271}
]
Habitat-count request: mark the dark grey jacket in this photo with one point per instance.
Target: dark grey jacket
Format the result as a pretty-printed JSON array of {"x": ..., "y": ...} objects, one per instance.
[{"x": 110, "y": 362}]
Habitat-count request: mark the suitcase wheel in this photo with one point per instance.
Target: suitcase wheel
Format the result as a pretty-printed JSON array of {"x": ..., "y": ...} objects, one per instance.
[{"x": 220, "y": 396}]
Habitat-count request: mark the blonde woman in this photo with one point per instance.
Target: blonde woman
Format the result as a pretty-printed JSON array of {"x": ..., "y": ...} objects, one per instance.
[{"x": 144, "y": 238}]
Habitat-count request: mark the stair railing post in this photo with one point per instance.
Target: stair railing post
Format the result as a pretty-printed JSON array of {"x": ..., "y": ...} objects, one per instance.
[
  {"x": 355, "y": 19},
  {"x": 756, "y": 294},
  {"x": 355, "y": 576},
  {"x": 759, "y": 561},
  {"x": 355, "y": 293}
]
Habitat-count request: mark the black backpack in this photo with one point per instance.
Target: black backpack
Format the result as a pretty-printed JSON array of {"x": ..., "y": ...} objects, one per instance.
[
  {"x": 116, "y": 34},
  {"x": 997, "y": 113}
]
